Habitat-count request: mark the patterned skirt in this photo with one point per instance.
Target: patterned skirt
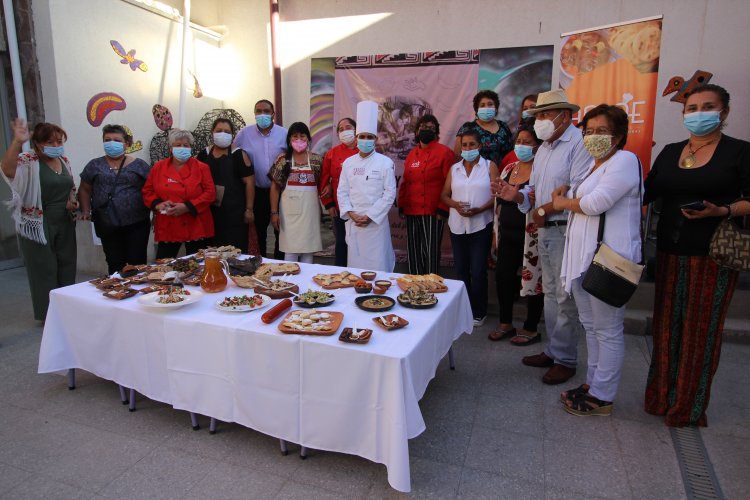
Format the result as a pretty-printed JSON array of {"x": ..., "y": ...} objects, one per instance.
[{"x": 692, "y": 295}]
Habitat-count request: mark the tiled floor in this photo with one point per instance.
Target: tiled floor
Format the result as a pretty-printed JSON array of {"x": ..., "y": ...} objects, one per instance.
[{"x": 493, "y": 431}]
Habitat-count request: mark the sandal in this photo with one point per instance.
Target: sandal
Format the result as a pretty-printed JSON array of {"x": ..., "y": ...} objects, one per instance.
[
  {"x": 499, "y": 334},
  {"x": 573, "y": 393},
  {"x": 586, "y": 405},
  {"x": 529, "y": 339}
]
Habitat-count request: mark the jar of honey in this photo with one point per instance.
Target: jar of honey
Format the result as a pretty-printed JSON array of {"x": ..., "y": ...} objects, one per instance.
[{"x": 213, "y": 279}]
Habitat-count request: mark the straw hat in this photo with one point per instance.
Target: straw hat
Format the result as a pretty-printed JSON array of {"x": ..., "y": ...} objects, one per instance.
[{"x": 554, "y": 99}]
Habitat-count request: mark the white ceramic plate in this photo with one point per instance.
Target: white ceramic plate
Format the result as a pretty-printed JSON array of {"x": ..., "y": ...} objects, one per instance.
[
  {"x": 266, "y": 300},
  {"x": 150, "y": 300}
]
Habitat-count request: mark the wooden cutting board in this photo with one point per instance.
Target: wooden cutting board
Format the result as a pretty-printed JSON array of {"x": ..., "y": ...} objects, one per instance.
[{"x": 336, "y": 319}]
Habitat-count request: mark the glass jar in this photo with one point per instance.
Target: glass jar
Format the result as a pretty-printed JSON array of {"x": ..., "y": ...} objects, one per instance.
[{"x": 213, "y": 279}]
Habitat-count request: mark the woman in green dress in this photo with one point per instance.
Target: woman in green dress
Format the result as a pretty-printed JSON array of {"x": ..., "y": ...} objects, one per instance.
[{"x": 43, "y": 204}]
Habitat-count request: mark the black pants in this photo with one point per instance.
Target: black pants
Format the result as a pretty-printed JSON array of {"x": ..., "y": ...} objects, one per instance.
[
  {"x": 262, "y": 211},
  {"x": 508, "y": 282},
  {"x": 126, "y": 245},
  {"x": 342, "y": 251},
  {"x": 470, "y": 260},
  {"x": 166, "y": 249}
]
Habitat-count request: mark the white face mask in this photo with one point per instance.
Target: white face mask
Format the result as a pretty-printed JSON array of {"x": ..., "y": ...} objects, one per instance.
[
  {"x": 545, "y": 128},
  {"x": 346, "y": 136},
  {"x": 222, "y": 139}
]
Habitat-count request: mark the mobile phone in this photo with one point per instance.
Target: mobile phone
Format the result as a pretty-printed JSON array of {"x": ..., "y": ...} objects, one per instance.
[{"x": 695, "y": 205}]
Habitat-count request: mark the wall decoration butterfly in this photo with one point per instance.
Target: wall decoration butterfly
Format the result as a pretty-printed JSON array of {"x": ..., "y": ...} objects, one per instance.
[{"x": 128, "y": 57}]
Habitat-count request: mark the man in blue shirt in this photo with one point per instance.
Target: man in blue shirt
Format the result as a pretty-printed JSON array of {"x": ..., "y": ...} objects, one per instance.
[
  {"x": 561, "y": 160},
  {"x": 263, "y": 143}
]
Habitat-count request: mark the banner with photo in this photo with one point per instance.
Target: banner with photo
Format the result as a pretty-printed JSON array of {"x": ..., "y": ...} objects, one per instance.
[
  {"x": 616, "y": 64},
  {"x": 408, "y": 86}
]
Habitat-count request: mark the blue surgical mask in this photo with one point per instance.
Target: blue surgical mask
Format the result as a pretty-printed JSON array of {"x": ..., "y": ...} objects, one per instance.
[
  {"x": 486, "y": 114},
  {"x": 264, "y": 121},
  {"x": 525, "y": 114},
  {"x": 366, "y": 145},
  {"x": 470, "y": 155},
  {"x": 114, "y": 149},
  {"x": 182, "y": 154},
  {"x": 524, "y": 152},
  {"x": 53, "y": 151},
  {"x": 702, "y": 122}
]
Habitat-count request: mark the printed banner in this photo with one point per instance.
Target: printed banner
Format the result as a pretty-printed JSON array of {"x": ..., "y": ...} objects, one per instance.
[
  {"x": 617, "y": 65},
  {"x": 408, "y": 86}
]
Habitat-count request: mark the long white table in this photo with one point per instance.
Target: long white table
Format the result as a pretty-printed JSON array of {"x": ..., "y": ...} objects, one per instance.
[{"x": 314, "y": 391}]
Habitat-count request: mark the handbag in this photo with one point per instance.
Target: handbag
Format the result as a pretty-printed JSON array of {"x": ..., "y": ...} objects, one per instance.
[
  {"x": 612, "y": 278},
  {"x": 730, "y": 246},
  {"x": 106, "y": 224}
]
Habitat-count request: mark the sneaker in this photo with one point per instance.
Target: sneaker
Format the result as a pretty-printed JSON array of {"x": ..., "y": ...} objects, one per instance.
[{"x": 479, "y": 321}]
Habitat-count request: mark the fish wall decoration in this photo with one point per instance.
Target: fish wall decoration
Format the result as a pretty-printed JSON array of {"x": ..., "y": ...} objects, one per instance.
[{"x": 128, "y": 57}]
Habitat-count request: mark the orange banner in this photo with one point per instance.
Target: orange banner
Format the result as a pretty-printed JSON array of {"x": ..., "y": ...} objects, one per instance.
[{"x": 616, "y": 65}]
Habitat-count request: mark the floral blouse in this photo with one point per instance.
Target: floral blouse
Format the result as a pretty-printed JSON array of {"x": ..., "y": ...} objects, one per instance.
[{"x": 495, "y": 146}]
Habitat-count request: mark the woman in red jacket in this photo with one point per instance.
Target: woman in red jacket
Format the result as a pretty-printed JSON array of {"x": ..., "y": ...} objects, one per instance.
[
  {"x": 425, "y": 170},
  {"x": 180, "y": 191},
  {"x": 329, "y": 182}
]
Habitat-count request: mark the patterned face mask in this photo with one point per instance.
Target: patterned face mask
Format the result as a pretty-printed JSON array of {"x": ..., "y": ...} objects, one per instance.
[{"x": 597, "y": 145}]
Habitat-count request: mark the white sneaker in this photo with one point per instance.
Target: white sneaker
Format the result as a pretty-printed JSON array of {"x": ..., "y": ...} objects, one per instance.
[{"x": 479, "y": 321}]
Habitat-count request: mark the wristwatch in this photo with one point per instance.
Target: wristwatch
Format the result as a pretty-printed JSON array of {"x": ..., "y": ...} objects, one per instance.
[{"x": 541, "y": 212}]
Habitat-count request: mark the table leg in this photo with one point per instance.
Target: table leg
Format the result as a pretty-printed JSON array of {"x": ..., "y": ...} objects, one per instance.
[
  {"x": 131, "y": 407},
  {"x": 123, "y": 395},
  {"x": 194, "y": 421},
  {"x": 71, "y": 379},
  {"x": 302, "y": 452},
  {"x": 212, "y": 426},
  {"x": 451, "y": 362},
  {"x": 282, "y": 445}
]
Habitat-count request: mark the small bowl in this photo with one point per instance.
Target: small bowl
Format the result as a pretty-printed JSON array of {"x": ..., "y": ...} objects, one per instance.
[
  {"x": 383, "y": 284},
  {"x": 367, "y": 288},
  {"x": 379, "y": 290},
  {"x": 368, "y": 275}
]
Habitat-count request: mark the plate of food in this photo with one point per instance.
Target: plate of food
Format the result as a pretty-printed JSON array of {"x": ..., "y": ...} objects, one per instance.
[
  {"x": 390, "y": 321},
  {"x": 417, "y": 299},
  {"x": 277, "y": 289},
  {"x": 311, "y": 322},
  {"x": 374, "y": 303},
  {"x": 170, "y": 298},
  {"x": 314, "y": 298},
  {"x": 344, "y": 279},
  {"x": 355, "y": 336},
  {"x": 424, "y": 282},
  {"x": 283, "y": 268},
  {"x": 243, "y": 303},
  {"x": 120, "y": 294},
  {"x": 225, "y": 252}
]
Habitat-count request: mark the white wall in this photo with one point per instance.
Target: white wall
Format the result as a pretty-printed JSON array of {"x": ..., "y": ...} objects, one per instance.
[{"x": 697, "y": 34}]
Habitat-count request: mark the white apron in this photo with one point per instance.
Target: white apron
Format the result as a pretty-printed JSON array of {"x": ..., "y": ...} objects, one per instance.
[{"x": 300, "y": 212}]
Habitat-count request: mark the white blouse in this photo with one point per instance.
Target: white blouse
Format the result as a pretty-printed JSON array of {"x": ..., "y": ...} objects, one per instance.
[
  {"x": 474, "y": 189},
  {"x": 612, "y": 188}
]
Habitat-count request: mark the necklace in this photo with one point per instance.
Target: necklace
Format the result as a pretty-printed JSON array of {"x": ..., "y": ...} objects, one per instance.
[{"x": 689, "y": 160}]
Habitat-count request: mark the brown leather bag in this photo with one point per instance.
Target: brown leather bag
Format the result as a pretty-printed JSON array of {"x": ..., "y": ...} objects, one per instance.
[{"x": 730, "y": 246}]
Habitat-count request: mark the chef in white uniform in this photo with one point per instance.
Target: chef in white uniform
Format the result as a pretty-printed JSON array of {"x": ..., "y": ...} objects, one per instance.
[{"x": 367, "y": 190}]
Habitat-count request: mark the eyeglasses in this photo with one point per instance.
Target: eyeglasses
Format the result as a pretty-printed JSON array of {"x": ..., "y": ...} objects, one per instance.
[{"x": 597, "y": 131}]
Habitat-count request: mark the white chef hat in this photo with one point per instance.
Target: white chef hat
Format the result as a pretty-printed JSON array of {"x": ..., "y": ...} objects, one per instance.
[{"x": 367, "y": 117}]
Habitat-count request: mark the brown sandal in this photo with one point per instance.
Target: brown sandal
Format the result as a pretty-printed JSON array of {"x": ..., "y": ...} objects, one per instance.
[
  {"x": 528, "y": 339},
  {"x": 499, "y": 334}
]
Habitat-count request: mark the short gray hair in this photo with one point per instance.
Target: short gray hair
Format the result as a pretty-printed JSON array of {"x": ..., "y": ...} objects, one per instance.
[{"x": 177, "y": 134}]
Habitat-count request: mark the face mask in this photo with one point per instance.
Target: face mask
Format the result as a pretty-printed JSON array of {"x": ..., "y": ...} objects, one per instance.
[
  {"x": 182, "y": 154},
  {"x": 114, "y": 149},
  {"x": 366, "y": 145},
  {"x": 525, "y": 114},
  {"x": 545, "y": 128},
  {"x": 346, "y": 136},
  {"x": 470, "y": 155},
  {"x": 263, "y": 121},
  {"x": 53, "y": 151},
  {"x": 598, "y": 146},
  {"x": 222, "y": 139},
  {"x": 299, "y": 145},
  {"x": 702, "y": 122},
  {"x": 426, "y": 136},
  {"x": 486, "y": 113},
  {"x": 523, "y": 152}
]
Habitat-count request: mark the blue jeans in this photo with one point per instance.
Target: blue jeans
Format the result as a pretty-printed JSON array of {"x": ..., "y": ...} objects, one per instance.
[
  {"x": 470, "y": 259},
  {"x": 560, "y": 313},
  {"x": 339, "y": 229}
]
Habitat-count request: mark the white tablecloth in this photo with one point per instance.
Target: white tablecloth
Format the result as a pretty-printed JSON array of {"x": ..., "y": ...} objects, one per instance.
[{"x": 314, "y": 391}]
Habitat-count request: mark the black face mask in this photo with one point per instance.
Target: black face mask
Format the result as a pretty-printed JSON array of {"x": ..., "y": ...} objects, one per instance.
[{"x": 426, "y": 136}]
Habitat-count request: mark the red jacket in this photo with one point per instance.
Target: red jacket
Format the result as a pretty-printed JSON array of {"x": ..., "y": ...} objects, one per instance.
[
  {"x": 425, "y": 170},
  {"x": 332, "y": 163},
  {"x": 194, "y": 187},
  {"x": 507, "y": 160}
]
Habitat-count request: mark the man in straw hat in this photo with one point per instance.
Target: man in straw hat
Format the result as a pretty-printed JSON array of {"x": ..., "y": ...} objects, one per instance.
[
  {"x": 367, "y": 189},
  {"x": 560, "y": 161}
]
